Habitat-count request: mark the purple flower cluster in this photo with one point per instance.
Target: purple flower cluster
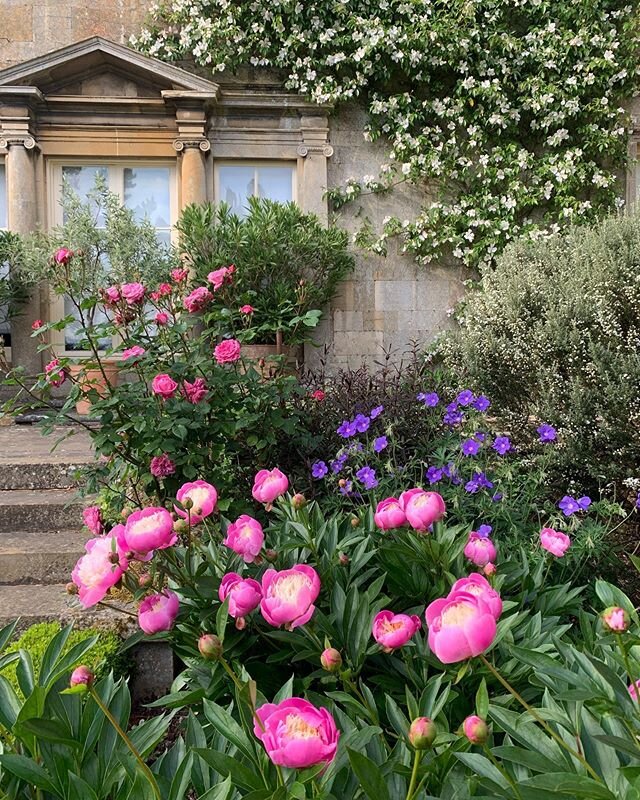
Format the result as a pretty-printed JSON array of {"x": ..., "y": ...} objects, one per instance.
[
  {"x": 359, "y": 424},
  {"x": 477, "y": 482},
  {"x": 430, "y": 399},
  {"x": 547, "y": 433},
  {"x": 367, "y": 477},
  {"x": 569, "y": 505}
]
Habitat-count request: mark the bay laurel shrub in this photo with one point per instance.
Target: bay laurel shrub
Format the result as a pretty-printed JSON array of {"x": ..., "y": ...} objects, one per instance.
[{"x": 553, "y": 333}]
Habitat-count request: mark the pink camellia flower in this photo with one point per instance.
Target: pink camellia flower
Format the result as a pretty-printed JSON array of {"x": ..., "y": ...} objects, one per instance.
[
  {"x": 149, "y": 529},
  {"x": 134, "y": 352},
  {"x": 54, "y": 373},
  {"x": 162, "y": 318},
  {"x": 203, "y": 497},
  {"x": 461, "y": 626},
  {"x": 164, "y": 385},
  {"x": 288, "y": 596},
  {"x": 244, "y": 594},
  {"x": 480, "y": 550},
  {"x": 615, "y": 619},
  {"x": 99, "y": 569},
  {"x": 197, "y": 300},
  {"x": 227, "y": 352},
  {"x": 296, "y": 734},
  {"x": 179, "y": 275},
  {"x": 245, "y": 537},
  {"x": 81, "y": 676},
  {"x": 422, "y": 508},
  {"x": 394, "y": 630},
  {"x": 220, "y": 276},
  {"x": 161, "y": 466},
  {"x": 633, "y": 689},
  {"x": 247, "y": 309},
  {"x": 36, "y": 325},
  {"x": 133, "y": 293},
  {"x": 195, "y": 392},
  {"x": 92, "y": 518},
  {"x": 158, "y": 612},
  {"x": 479, "y": 586},
  {"x": 269, "y": 484},
  {"x": 63, "y": 256},
  {"x": 555, "y": 542},
  {"x": 389, "y": 514},
  {"x": 475, "y": 729}
]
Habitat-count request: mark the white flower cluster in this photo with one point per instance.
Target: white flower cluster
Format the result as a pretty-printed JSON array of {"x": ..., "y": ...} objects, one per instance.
[{"x": 520, "y": 133}]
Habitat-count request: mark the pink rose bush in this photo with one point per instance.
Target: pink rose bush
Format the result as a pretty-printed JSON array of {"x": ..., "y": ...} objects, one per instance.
[
  {"x": 268, "y": 485},
  {"x": 203, "y": 498},
  {"x": 288, "y": 596},
  {"x": 136, "y": 352},
  {"x": 554, "y": 542},
  {"x": 394, "y": 630},
  {"x": 245, "y": 537},
  {"x": 161, "y": 466},
  {"x": 198, "y": 300},
  {"x": 221, "y": 276},
  {"x": 227, "y": 352},
  {"x": 133, "y": 293},
  {"x": 92, "y": 518},
  {"x": 195, "y": 392},
  {"x": 55, "y": 374},
  {"x": 157, "y": 613}
]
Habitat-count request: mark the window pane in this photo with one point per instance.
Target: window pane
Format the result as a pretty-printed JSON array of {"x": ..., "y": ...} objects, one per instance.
[
  {"x": 276, "y": 183},
  {"x": 235, "y": 185},
  {"x": 147, "y": 194},
  {"x": 3, "y": 197},
  {"x": 82, "y": 179}
]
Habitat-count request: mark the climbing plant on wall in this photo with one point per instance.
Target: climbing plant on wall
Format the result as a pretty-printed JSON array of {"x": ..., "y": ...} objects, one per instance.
[{"x": 509, "y": 111}]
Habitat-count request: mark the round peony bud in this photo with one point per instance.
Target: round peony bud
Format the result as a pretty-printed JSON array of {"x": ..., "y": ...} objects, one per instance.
[
  {"x": 71, "y": 588},
  {"x": 615, "y": 619},
  {"x": 475, "y": 729},
  {"x": 489, "y": 569},
  {"x": 270, "y": 555},
  {"x": 331, "y": 659},
  {"x": 145, "y": 580},
  {"x": 81, "y": 676},
  {"x": 355, "y": 521},
  {"x": 210, "y": 647},
  {"x": 298, "y": 501},
  {"x": 422, "y": 733},
  {"x": 343, "y": 558}
]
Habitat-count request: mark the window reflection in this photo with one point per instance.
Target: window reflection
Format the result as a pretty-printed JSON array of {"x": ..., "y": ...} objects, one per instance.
[{"x": 236, "y": 183}]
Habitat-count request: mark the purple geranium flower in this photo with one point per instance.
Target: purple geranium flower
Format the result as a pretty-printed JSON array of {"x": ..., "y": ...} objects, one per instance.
[
  {"x": 472, "y": 486},
  {"x": 501, "y": 445},
  {"x": 367, "y": 477},
  {"x": 338, "y": 463},
  {"x": 362, "y": 423},
  {"x": 319, "y": 469},
  {"x": 481, "y": 403},
  {"x": 430, "y": 399},
  {"x": 497, "y": 497},
  {"x": 568, "y": 505},
  {"x": 375, "y": 412},
  {"x": 584, "y": 502},
  {"x": 434, "y": 474},
  {"x": 452, "y": 418},
  {"x": 483, "y": 480},
  {"x": 347, "y": 429},
  {"x": 380, "y": 443},
  {"x": 547, "y": 433},
  {"x": 638, "y": 500},
  {"x": 465, "y": 397},
  {"x": 470, "y": 447},
  {"x": 484, "y": 531},
  {"x": 480, "y": 436}
]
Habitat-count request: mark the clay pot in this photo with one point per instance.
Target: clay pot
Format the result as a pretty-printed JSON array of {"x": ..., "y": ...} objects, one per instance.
[{"x": 93, "y": 379}]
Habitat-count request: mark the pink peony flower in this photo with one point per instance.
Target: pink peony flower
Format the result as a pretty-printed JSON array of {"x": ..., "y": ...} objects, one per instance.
[
  {"x": 197, "y": 300},
  {"x": 179, "y": 275},
  {"x": 555, "y": 542},
  {"x": 227, "y": 352},
  {"x": 615, "y": 619},
  {"x": 133, "y": 352},
  {"x": 480, "y": 550},
  {"x": 161, "y": 466},
  {"x": 422, "y": 508},
  {"x": 63, "y": 256},
  {"x": 296, "y": 734},
  {"x": 394, "y": 630},
  {"x": 475, "y": 729},
  {"x": 92, "y": 518},
  {"x": 36, "y": 325},
  {"x": 54, "y": 373},
  {"x": 288, "y": 596},
  {"x": 247, "y": 309},
  {"x": 244, "y": 594},
  {"x": 112, "y": 294},
  {"x": 81, "y": 676},
  {"x": 162, "y": 318},
  {"x": 633, "y": 690},
  {"x": 461, "y": 626},
  {"x": 149, "y": 529},
  {"x": 99, "y": 569},
  {"x": 164, "y": 385},
  {"x": 245, "y": 537},
  {"x": 479, "y": 586},
  {"x": 203, "y": 497},
  {"x": 158, "y": 612},
  {"x": 220, "y": 276},
  {"x": 268, "y": 485},
  {"x": 389, "y": 514},
  {"x": 133, "y": 293},
  {"x": 195, "y": 392}
]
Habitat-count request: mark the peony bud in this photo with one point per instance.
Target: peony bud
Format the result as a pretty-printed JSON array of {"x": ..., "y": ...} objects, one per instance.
[
  {"x": 615, "y": 619},
  {"x": 114, "y": 558},
  {"x": 145, "y": 580},
  {"x": 355, "y": 521},
  {"x": 343, "y": 559},
  {"x": 298, "y": 501},
  {"x": 331, "y": 659},
  {"x": 475, "y": 729},
  {"x": 187, "y": 503},
  {"x": 270, "y": 555},
  {"x": 210, "y": 647},
  {"x": 241, "y": 623},
  {"x": 181, "y": 526},
  {"x": 81, "y": 676},
  {"x": 489, "y": 569},
  {"x": 71, "y": 588},
  {"x": 422, "y": 733}
]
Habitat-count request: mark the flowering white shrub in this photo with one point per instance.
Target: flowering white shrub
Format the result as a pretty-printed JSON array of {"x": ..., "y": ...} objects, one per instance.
[{"x": 509, "y": 108}]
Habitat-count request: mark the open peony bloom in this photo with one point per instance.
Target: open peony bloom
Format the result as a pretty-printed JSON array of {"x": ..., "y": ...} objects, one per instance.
[
  {"x": 461, "y": 626},
  {"x": 244, "y": 594},
  {"x": 479, "y": 586},
  {"x": 394, "y": 630},
  {"x": 555, "y": 542},
  {"x": 268, "y": 485},
  {"x": 245, "y": 537},
  {"x": 288, "y": 596},
  {"x": 158, "y": 612},
  {"x": 203, "y": 496},
  {"x": 634, "y": 688},
  {"x": 422, "y": 508},
  {"x": 389, "y": 514},
  {"x": 480, "y": 550},
  {"x": 297, "y": 734},
  {"x": 149, "y": 529},
  {"x": 99, "y": 569}
]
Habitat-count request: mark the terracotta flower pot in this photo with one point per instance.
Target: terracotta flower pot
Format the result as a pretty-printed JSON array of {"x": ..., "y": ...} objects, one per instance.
[{"x": 88, "y": 379}]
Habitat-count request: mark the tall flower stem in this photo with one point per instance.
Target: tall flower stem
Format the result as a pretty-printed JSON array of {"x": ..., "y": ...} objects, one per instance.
[
  {"x": 627, "y": 666},
  {"x": 539, "y": 719},
  {"x": 148, "y": 774},
  {"x": 414, "y": 774},
  {"x": 502, "y": 770}
]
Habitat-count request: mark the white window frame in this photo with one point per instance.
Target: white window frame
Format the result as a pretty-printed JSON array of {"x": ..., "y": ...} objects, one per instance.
[
  {"x": 256, "y": 164},
  {"x": 5, "y": 227},
  {"x": 115, "y": 184}
]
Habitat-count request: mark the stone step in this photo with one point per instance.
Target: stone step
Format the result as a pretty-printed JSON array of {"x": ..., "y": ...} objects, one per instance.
[
  {"x": 40, "y": 510},
  {"x": 28, "y": 557},
  {"x": 38, "y": 476}
]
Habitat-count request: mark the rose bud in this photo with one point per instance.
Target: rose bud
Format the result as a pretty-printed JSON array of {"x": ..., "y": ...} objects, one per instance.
[
  {"x": 298, "y": 501},
  {"x": 615, "y": 619},
  {"x": 422, "y": 733},
  {"x": 475, "y": 729},
  {"x": 81, "y": 676},
  {"x": 331, "y": 659},
  {"x": 210, "y": 647}
]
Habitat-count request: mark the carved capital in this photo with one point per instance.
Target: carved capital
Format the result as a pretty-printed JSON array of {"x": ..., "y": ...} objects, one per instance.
[
  {"x": 8, "y": 140},
  {"x": 316, "y": 149},
  {"x": 183, "y": 144}
]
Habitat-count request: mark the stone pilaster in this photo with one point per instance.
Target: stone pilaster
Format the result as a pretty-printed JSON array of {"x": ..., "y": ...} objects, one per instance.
[{"x": 193, "y": 176}]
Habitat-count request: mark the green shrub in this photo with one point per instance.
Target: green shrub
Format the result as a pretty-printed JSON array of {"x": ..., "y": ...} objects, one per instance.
[{"x": 553, "y": 333}]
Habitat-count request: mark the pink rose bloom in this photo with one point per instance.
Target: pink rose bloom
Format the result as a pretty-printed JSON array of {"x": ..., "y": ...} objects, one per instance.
[
  {"x": 133, "y": 293},
  {"x": 475, "y": 729},
  {"x": 296, "y": 734},
  {"x": 268, "y": 485},
  {"x": 422, "y": 508},
  {"x": 204, "y": 497},
  {"x": 63, "y": 256},
  {"x": 99, "y": 569},
  {"x": 195, "y": 392},
  {"x": 179, "y": 275},
  {"x": 164, "y": 385},
  {"x": 54, "y": 373},
  {"x": 247, "y": 309},
  {"x": 318, "y": 395},
  {"x": 555, "y": 542},
  {"x": 133, "y": 352},
  {"x": 244, "y": 594},
  {"x": 633, "y": 690},
  {"x": 394, "y": 630},
  {"x": 164, "y": 289},
  {"x": 227, "y": 352},
  {"x": 461, "y": 626},
  {"x": 162, "y": 318},
  {"x": 112, "y": 294},
  {"x": 149, "y": 529},
  {"x": 245, "y": 537},
  {"x": 198, "y": 299},
  {"x": 161, "y": 466},
  {"x": 220, "y": 276},
  {"x": 92, "y": 518},
  {"x": 36, "y": 325},
  {"x": 158, "y": 612},
  {"x": 389, "y": 514},
  {"x": 479, "y": 586},
  {"x": 288, "y": 596},
  {"x": 480, "y": 550}
]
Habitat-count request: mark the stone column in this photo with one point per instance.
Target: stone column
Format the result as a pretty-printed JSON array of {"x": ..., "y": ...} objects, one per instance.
[{"x": 193, "y": 177}]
